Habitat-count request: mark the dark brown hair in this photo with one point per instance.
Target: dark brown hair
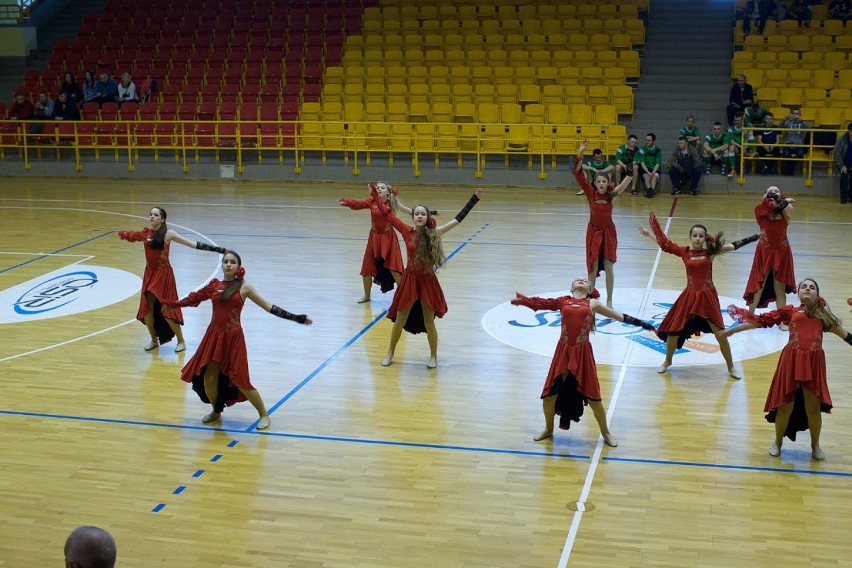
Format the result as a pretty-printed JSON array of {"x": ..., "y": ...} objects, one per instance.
[
  {"x": 159, "y": 239},
  {"x": 234, "y": 285}
]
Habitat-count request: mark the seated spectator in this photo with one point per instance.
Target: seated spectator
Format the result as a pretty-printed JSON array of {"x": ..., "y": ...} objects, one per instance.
[
  {"x": 800, "y": 10},
  {"x": 840, "y": 10},
  {"x": 72, "y": 89},
  {"x": 692, "y": 133},
  {"x": 794, "y": 141},
  {"x": 43, "y": 110},
  {"x": 127, "y": 89},
  {"x": 64, "y": 109},
  {"x": 148, "y": 91},
  {"x": 625, "y": 163},
  {"x": 742, "y": 96},
  {"x": 88, "y": 87},
  {"x": 843, "y": 162},
  {"x": 106, "y": 89},
  {"x": 715, "y": 147},
  {"x": 597, "y": 165},
  {"x": 753, "y": 15},
  {"x": 754, "y": 115},
  {"x": 735, "y": 144},
  {"x": 685, "y": 167},
  {"x": 21, "y": 108},
  {"x": 90, "y": 547},
  {"x": 767, "y": 145},
  {"x": 650, "y": 162}
]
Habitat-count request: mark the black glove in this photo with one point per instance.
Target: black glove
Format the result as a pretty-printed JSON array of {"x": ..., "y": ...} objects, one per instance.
[
  {"x": 210, "y": 248},
  {"x": 470, "y": 203},
  {"x": 630, "y": 320},
  {"x": 281, "y": 313},
  {"x": 780, "y": 204},
  {"x": 743, "y": 242},
  {"x": 848, "y": 338}
]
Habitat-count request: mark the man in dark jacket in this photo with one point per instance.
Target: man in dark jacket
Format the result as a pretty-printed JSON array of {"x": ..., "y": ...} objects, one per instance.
[
  {"x": 843, "y": 161},
  {"x": 685, "y": 167}
]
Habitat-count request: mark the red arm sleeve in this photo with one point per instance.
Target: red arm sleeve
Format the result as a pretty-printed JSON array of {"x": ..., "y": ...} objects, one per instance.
[
  {"x": 763, "y": 209},
  {"x": 395, "y": 221},
  {"x": 536, "y": 303},
  {"x": 131, "y": 236},
  {"x": 662, "y": 240},
  {"x": 769, "y": 319},
  {"x": 195, "y": 298},
  {"x": 581, "y": 178},
  {"x": 356, "y": 204}
]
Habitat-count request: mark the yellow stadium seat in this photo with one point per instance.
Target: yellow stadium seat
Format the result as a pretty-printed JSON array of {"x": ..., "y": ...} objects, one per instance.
[
  {"x": 742, "y": 60},
  {"x": 599, "y": 42},
  {"x": 767, "y": 96},
  {"x": 484, "y": 93},
  {"x": 539, "y": 58},
  {"x": 635, "y": 28},
  {"x": 814, "y": 98},
  {"x": 536, "y": 41},
  {"x": 557, "y": 42},
  {"x": 464, "y": 112},
  {"x": 332, "y": 92},
  {"x": 563, "y": 58},
  {"x": 506, "y": 93},
  {"x": 755, "y": 76},
  {"x": 840, "y": 98},
  {"x": 605, "y": 114},
  {"x": 597, "y": 95},
  {"x": 558, "y": 114},
  {"x": 620, "y": 42},
  {"x": 488, "y": 113},
  {"x": 614, "y": 76},
  {"x": 503, "y": 75},
  {"x": 629, "y": 61},
  {"x": 789, "y": 60},
  {"x": 811, "y": 60},
  {"x": 474, "y": 41},
  {"x": 510, "y": 113},
  {"x": 833, "y": 28},
  {"x": 534, "y": 114},
  {"x": 569, "y": 75},
  {"x": 775, "y": 78},
  {"x": 799, "y": 43},
  {"x": 462, "y": 93},
  {"x": 397, "y": 112},
  {"x": 552, "y": 26},
  {"x": 442, "y": 112},
  {"x": 844, "y": 79},
  {"x": 419, "y": 112},
  {"x": 843, "y": 43},
  {"x": 834, "y": 60},
  {"x": 481, "y": 75},
  {"x": 552, "y": 94},
  {"x": 791, "y": 98},
  {"x": 822, "y": 43},
  {"x": 754, "y": 43},
  {"x": 799, "y": 78},
  {"x": 439, "y": 93},
  {"x": 490, "y": 27},
  {"x": 397, "y": 93},
  {"x": 353, "y": 92},
  {"x": 439, "y": 74},
  {"x": 578, "y": 42},
  {"x": 622, "y": 98},
  {"x": 606, "y": 58},
  {"x": 514, "y": 41},
  {"x": 526, "y": 75},
  {"x": 616, "y": 134},
  {"x": 765, "y": 60},
  {"x": 788, "y": 27},
  {"x": 823, "y": 79},
  {"x": 548, "y": 76},
  {"x": 374, "y": 92},
  {"x": 567, "y": 140},
  {"x": 819, "y": 12},
  {"x": 497, "y": 58},
  {"x": 776, "y": 43},
  {"x": 418, "y": 93},
  {"x": 830, "y": 117},
  {"x": 592, "y": 75},
  {"x": 528, "y": 95},
  {"x": 331, "y": 110},
  {"x": 575, "y": 94},
  {"x": 460, "y": 74},
  {"x": 581, "y": 114}
]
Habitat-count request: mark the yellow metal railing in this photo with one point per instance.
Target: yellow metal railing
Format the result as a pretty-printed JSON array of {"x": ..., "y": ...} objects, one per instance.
[
  {"x": 355, "y": 141},
  {"x": 813, "y": 153}
]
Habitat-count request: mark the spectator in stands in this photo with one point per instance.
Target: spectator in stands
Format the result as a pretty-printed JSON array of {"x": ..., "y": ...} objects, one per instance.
[
  {"x": 64, "y": 109},
  {"x": 692, "y": 133},
  {"x": 735, "y": 144},
  {"x": 755, "y": 115},
  {"x": 106, "y": 89},
  {"x": 21, "y": 108},
  {"x": 840, "y": 10},
  {"x": 88, "y": 87},
  {"x": 742, "y": 95},
  {"x": 43, "y": 110},
  {"x": 90, "y": 547},
  {"x": 800, "y": 10},
  {"x": 650, "y": 161},
  {"x": 794, "y": 141},
  {"x": 72, "y": 89},
  {"x": 843, "y": 161},
  {"x": 148, "y": 92},
  {"x": 597, "y": 165},
  {"x": 754, "y": 13},
  {"x": 625, "y": 162},
  {"x": 127, "y": 90},
  {"x": 767, "y": 145},
  {"x": 715, "y": 146},
  {"x": 686, "y": 167}
]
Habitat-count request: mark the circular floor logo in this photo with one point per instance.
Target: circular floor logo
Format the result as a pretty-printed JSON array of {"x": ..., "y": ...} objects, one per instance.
[{"x": 538, "y": 332}]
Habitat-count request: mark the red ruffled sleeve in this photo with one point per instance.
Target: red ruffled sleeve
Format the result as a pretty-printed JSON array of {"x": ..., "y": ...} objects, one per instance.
[
  {"x": 195, "y": 298},
  {"x": 763, "y": 209},
  {"x": 665, "y": 244},
  {"x": 356, "y": 204},
  {"x": 536, "y": 303},
  {"x": 132, "y": 236},
  {"x": 769, "y": 319},
  {"x": 395, "y": 221}
]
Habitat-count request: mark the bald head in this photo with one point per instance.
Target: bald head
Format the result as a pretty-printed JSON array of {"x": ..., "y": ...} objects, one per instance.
[{"x": 89, "y": 547}]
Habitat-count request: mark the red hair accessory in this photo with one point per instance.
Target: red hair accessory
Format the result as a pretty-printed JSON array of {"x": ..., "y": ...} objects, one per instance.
[
  {"x": 821, "y": 302},
  {"x": 849, "y": 301},
  {"x": 710, "y": 238},
  {"x": 395, "y": 190},
  {"x": 241, "y": 272},
  {"x": 594, "y": 294},
  {"x": 431, "y": 223}
]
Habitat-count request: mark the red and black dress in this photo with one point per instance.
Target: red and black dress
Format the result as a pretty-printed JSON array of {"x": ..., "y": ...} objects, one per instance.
[
  {"x": 382, "y": 255},
  {"x": 159, "y": 279},
  {"x": 801, "y": 365},
  {"x": 418, "y": 284},
  {"x": 698, "y": 305},
  {"x": 223, "y": 343},
  {"x": 773, "y": 258},
  {"x": 573, "y": 375},
  {"x": 601, "y": 238}
]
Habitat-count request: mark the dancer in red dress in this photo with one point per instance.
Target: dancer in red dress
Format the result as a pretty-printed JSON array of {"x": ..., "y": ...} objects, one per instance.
[
  {"x": 158, "y": 282},
  {"x": 572, "y": 381},
  {"x": 601, "y": 238},
  {"x": 419, "y": 297},
  {"x": 382, "y": 262},
  {"x": 771, "y": 277},
  {"x": 799, "y": 390},
  {"x": 219, "y": 370},
  {"x": 697, "y": 308}
]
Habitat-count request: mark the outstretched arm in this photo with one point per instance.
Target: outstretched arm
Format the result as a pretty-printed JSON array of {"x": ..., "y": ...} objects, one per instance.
[
  {"x": 474, "y": 199},
  {"x": 619, "y": 189},
  {"x": 194, "y": 298},
  {"x": 174, "y": 236},
  {"x": 738, "y": 244},
  {"x": 599, "y": 308},
  {"x": 536, "y": 303},
  {"x": 131, "y": 236},
  {"x": 248, "y": 292},
  {"x": 355, "y": 204},
  {"x": 659, "y": 236},
  {"x": 732, "y": 330}
]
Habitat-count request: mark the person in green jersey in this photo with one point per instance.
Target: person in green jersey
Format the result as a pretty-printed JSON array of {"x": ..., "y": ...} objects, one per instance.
[
  {"x": 735, "y": 137},
  {"x": 715, "y": 146},
  {"x": 691, "y": 132},
  {"x": 625, "y": 163},
  {"x": 650, "y": 161}
]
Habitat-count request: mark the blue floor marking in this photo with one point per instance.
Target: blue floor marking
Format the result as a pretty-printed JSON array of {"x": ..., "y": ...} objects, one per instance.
[
  {"x": 729, "y": 466},
  {"x": 55, "y": 252}
]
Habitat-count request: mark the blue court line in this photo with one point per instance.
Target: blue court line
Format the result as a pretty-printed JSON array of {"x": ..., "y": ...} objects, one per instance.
[
  {"x": 729, "y": 466},
  {"x": 55, "y": 252}
]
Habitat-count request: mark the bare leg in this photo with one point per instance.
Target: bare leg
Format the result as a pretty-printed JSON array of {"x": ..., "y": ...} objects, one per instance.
[
  {"x": 600, "y": 415},
  {"x": 635, "y": 179},
  {"x": 725, "y": 348},
  {"x": 431, "y": 334},
  {"x": 178, "y": 329},
  {"x": 780, "y": 294},
  {"x": 548, "y": 406},
  {"x": 593, "y": 275},
  {"x": 254, "y": 398},
  {"x": 671, "y": 346},
  {"x": 753, "y": 306},
  {"x": 368, "y": 284},
  {"x": 211, "y": 389},
  {"x": 812, "y": 408},
  {"x": 397, "y": 276},
  {"x": 396, "y": 333},
  {"x": 609, "y": 271},
  {"x": 782, "y": 418}
]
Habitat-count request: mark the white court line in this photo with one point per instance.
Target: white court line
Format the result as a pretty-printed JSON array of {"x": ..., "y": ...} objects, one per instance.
[
  {"x": 82, "y": 257},
  {"x": 93, "y": 334},
  {"x": 596, "y": 456}
]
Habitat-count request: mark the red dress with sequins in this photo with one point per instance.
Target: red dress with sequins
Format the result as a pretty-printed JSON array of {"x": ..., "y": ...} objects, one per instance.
[
  {"x": 601, "y": 238},
  {"x": 418, "y": 284},
  {"x": 159, "y": 279},
  {"x": 801, "y": 364},
  {"x": 698, "y": 304},
  {"x": 223, "y": 342},
  {"x": 382, "y": 253},
  {"x": 771, "y": 253},
  {"x": 573, "y": 375}
]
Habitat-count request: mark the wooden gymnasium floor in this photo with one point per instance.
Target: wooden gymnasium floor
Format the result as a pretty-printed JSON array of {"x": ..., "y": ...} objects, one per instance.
[{"x": 366, "y": 466}]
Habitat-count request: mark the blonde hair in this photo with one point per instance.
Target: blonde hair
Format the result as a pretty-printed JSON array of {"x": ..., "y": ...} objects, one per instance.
[{"x": 430, "y": 252}]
